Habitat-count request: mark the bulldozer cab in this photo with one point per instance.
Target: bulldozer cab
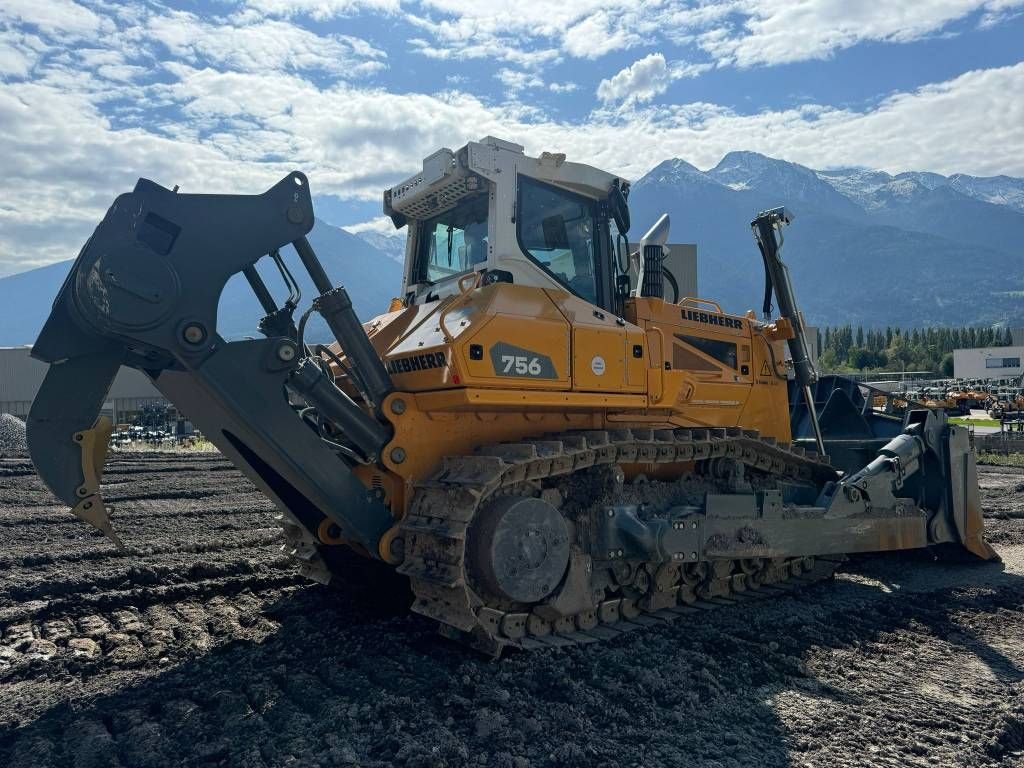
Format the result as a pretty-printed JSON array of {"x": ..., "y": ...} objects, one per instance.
[{"x": 488, "y": 208}]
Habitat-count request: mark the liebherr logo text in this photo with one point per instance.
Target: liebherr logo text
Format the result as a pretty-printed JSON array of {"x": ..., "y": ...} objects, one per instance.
[
  {"x": 704, "y": 317},
  {"x": 416, "y": 363}
]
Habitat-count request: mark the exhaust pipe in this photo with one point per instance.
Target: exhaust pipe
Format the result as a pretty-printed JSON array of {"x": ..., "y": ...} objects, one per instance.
[{"x": 651, "y": 280}]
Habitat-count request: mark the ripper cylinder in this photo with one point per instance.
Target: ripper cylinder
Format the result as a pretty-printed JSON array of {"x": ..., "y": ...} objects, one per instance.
[{"x": 364, "y": 432}]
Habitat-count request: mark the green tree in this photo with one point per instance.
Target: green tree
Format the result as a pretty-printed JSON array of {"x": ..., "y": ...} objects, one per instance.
[
  {"x": 947, "y": 365},
  {"x": 900, "y": 352},
  {"x": 860, "y": 358},
  {"x": 827, "y": 361}
]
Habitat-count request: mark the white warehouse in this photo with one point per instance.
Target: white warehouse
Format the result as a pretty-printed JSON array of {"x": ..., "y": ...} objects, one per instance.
[
  {"x": 988, "y": 362},
  {"x": 21, "y": 375}
]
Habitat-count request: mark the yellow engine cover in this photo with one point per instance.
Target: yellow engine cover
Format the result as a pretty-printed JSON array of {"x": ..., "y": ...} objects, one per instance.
[{"x": 503, "y": 362}]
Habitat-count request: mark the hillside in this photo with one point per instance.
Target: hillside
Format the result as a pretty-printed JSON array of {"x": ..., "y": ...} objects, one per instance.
[
  {"x": 372, "y": 278},
  {"x": 392, "y": 245},
  {"x": 865, "y": 247}
]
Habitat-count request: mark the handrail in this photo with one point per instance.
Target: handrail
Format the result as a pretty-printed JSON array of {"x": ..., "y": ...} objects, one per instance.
[
  {"x": 694, "y": 300},
  {"x": 465, "y": 288}
]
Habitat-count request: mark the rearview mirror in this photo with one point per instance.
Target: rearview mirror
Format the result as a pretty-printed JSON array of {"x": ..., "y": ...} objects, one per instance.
[
  {"x": 618, "y": 208},
  {"x": 622, "y": 286}
]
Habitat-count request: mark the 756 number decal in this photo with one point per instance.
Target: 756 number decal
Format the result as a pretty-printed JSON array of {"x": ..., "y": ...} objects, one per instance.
[
  {"x": 510, "y": 360},
  {"x": 521, "y": 366}
]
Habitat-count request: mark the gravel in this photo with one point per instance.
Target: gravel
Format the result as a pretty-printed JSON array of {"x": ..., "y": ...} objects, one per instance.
[
  {"x": 12, "y": 436},
  {"x": 200, "y": 645}
]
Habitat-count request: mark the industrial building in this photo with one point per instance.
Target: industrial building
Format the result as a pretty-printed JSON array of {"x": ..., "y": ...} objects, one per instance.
[
  {"x": 988, "y": 362},
  {"x": 21, "y": 375}
]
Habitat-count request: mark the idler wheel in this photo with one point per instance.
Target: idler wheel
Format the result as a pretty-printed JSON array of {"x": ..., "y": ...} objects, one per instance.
[{"x": 519, "y": 548}]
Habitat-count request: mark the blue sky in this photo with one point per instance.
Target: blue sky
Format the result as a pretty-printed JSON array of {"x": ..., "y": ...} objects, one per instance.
[{"x": 230, "y": 95}]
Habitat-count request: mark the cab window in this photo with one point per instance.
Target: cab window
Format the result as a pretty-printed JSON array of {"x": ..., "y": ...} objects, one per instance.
[
  {"x": 557, "y": 230},
  {"x": 453, "y": 242}
]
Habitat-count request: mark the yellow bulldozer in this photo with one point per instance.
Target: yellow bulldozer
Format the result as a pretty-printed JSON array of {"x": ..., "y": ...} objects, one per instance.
[{"x": 545, "y": 447}]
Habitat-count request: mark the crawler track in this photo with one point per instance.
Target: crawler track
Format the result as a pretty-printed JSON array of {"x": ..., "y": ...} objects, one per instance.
[{"x": 437, "y": 529}]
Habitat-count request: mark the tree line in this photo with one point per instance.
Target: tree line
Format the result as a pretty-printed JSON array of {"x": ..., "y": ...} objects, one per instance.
[{"x": 846, "y": 348}]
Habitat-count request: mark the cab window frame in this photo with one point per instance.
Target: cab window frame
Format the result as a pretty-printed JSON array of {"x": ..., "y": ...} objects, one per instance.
[
  {"x": 599, "y": 238},
  {"x": 425, "y": 236}
]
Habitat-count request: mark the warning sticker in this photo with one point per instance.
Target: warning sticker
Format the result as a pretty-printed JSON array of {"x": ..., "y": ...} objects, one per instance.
[{"x": 765, "y": 370}]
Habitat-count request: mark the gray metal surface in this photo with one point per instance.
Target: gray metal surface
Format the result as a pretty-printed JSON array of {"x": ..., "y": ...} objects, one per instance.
[
  {"x": 520, "y": 548},
  {"x": 765, "y": 227},
  {"x": 68, "y": 401}
]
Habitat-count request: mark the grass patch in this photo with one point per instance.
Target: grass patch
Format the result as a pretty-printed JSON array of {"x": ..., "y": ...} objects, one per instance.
[
  {"x": 196, "y": 446},
  {"x": 973, "y": 422},
  {"x": 1001, "y": 459}
]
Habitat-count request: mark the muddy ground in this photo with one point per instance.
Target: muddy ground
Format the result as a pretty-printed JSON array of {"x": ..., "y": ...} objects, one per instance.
[{"x": 200, "y": 646}]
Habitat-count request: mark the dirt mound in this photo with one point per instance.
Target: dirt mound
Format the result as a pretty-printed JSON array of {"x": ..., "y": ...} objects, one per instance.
[{"x": 13, "y": 441}]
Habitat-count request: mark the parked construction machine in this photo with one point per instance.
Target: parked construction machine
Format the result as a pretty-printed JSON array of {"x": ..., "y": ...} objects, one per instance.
[{"x": 546, "y": 448}]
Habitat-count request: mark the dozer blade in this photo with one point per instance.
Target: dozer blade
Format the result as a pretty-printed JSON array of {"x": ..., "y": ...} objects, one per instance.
[
  {"x": 966, "y": 496},
  {"x": 68, "y": 439}
]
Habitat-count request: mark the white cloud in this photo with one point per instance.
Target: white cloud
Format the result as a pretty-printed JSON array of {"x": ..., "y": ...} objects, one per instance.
[
  {"x": 490, "y": 48},
  {"x": 19, "y": 52},
  {"x": 598, "y": 34},
  {"x": 741, "y": 33},
  {"x": 644, "y": 79},
  {"x": 563, "y": 87},
  {"x": 516, "y": 81},
  {"x": 640, "y": 81},
  {"x": 321, "y": 10},
  {"x": 381, "y": 225},
  {"x": 999, "y": 12},
  {"x": 52, "y": 16},
  {"x": 529, "y": 33},
  {"x": 265, "y": 45},
  {"x": 777, "y": 33}
]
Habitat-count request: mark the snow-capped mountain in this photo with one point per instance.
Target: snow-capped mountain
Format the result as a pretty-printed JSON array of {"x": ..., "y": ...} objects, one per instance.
[
  {"x": 750, "y": 171},
  {"x": 998, "y": 190},
  {"x": 675, "y": 171},
  {"x": 391, "y": 245},
  {"x": 866, "y": 246},
  {"x": 871, "y": 188}
]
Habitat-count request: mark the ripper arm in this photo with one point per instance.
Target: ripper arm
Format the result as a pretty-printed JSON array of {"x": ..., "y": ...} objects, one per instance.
[{"x": 144, "y": 292}]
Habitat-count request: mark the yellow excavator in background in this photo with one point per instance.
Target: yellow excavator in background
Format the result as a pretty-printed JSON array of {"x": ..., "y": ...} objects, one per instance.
[{"x": 548, "y": 450}]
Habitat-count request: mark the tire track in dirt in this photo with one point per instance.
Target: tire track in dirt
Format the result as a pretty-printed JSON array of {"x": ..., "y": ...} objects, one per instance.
[{"x": 202, "y": 547}]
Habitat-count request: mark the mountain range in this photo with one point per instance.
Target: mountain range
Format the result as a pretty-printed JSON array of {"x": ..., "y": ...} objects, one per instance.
[
  {"x": 865, "y": 247},
  {"x": 371, "y": 278}
]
